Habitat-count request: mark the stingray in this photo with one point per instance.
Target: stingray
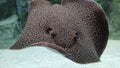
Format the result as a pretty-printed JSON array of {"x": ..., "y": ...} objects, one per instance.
[{"x": 76, "y": 28}]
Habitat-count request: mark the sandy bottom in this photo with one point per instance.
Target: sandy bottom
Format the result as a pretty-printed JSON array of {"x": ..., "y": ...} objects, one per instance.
[{"x": 41, "y": 57}]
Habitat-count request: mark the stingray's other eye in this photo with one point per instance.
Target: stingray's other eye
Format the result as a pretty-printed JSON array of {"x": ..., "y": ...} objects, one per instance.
[
  {"x": 51, "y": 32},
  {"x": 48, "y": 30}
]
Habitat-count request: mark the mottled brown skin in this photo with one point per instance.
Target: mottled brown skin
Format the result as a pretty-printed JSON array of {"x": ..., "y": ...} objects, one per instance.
[
  {"x": 76, "y": 28},
  {"x": 92, "y": 24}
]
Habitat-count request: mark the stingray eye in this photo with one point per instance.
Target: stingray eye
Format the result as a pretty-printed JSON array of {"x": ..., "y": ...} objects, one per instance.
[
  {"x": 76, "y": 36},
  {"x": 51, "y": 32}
]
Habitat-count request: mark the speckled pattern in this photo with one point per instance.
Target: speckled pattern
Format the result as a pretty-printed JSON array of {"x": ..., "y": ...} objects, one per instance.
[{"x": 78, "y": 27}]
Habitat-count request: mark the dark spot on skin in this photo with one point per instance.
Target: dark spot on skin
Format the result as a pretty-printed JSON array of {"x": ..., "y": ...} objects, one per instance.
[
  {"x": 74, "y": 39},
  {"x": 78, "y": 56},
  {"x": 30, "y": 41},
  {"x": 95, "y": 33},
  {"x": 87, "y": 16},
  {"x": 53, "y": 35},
  {"x": 76, "y": 50},
  {"x": 54, "y": 21}
]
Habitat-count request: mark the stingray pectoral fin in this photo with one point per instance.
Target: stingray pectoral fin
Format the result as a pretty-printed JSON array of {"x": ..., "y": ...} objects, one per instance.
[
  {"x": 38, "y": 3},
  {"x": 82, "y": 54},
  {"x": 51, "y": 45}
]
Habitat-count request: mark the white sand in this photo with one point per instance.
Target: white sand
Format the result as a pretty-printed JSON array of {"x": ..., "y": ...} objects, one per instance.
[{"x": 41, "y": 57}]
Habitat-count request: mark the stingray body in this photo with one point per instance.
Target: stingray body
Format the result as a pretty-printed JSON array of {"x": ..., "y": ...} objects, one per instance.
[{"x": 76, "y": 28}]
